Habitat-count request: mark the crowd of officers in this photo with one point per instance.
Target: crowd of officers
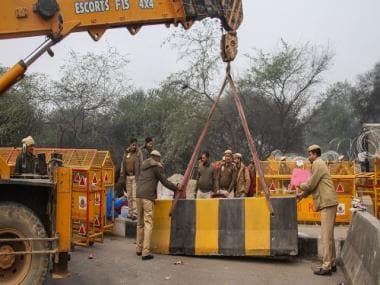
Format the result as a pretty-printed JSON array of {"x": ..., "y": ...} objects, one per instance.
[
  {"x": 228, "y": 178},
  {"x": 141, "y": 170}
]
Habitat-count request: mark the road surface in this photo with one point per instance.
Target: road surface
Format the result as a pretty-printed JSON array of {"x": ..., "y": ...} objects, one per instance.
[{"x": 114, "y": 263}]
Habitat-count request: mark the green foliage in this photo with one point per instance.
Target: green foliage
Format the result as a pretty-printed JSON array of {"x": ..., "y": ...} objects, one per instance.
[
  {"x": 20, "y": 115},
  {"x": 277, "y": 88},
  {"x": 332, "y": 123},
  {"x": 366, "y": 97},
  {"x": 89, "y": 86},
  {"x": 93, "y": 105}
]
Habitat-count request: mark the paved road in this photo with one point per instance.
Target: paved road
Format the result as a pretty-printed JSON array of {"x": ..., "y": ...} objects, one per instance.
[{"x": 115, "y": 263}]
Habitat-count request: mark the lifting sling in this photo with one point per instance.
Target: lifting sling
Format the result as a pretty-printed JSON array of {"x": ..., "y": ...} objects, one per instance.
[{"x": 251, "y": 144}]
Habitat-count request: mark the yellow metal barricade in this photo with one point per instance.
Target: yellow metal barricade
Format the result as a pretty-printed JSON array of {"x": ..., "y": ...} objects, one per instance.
[
  {"x": 88, "y": 197},
  {"x": 376, "y": 187},
  {"x": 278, "y": 178},
  {"x": 92, "y": 179},
  {"x": 368, "y": 183},
  {"x": 103, "y": 158}
]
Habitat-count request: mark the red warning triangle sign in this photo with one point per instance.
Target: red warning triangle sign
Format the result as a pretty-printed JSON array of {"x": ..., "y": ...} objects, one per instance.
[
  {"x": 94, "y": 180},
  {"x": 272, "y": 186},
  {"x": 340, "y": 188},
  {"x": 97, "y": 222},
  {"x": 106, "y": 178},
  {"x": 82, "y": 182},
  {"x": 82, "y": 230},
  {"x": 77, "y": 177}
]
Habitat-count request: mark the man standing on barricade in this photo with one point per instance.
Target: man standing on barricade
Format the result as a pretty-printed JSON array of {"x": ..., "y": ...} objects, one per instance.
[
  {"x": 152, "y": 171},
  {"x": 242, "y": 178},
  {"x": 129, "y": 172},
  {"x": 321, "y": 187},
  {"x": 206, "y": 178}
]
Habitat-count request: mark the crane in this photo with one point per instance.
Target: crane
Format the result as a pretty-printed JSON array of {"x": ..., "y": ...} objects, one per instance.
[{"x": 56, "y": 19}]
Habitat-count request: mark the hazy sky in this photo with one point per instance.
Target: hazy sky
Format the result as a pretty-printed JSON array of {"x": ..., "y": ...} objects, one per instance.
[{"x": 350, "y": 27}]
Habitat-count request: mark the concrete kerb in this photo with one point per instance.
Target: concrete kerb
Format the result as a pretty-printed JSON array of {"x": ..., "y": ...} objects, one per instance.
[
  {"x": 310, "y": 243},
  {"x": 361, "y": 251}
]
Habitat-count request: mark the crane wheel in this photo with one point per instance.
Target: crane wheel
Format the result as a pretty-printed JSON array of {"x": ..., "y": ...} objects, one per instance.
[{"x": 18, "y": 221}]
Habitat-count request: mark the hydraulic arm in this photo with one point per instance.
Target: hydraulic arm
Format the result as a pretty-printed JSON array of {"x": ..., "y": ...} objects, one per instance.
[{"x": 58, "y": 18}]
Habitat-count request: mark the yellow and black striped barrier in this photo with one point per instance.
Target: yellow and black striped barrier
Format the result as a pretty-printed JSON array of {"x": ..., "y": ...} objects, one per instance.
[{"x": 229, "y": 227}]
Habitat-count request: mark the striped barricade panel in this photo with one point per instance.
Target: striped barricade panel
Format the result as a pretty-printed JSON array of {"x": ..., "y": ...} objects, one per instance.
[{"x": 228, "y": 227}]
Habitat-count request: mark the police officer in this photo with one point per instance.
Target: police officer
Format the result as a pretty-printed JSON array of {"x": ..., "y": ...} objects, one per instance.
[
  {"x": 26, "y": 160},
  {"x": 129, "y": 172},
  {"x": 152, "y": 171},
  {"x": 147, "y": 148},
  {"x": 206, "y": 178},
  {"x": 243, "y": 180},
  {"x": 321, "y": 187},
  {"x": 227, "y": 175}
]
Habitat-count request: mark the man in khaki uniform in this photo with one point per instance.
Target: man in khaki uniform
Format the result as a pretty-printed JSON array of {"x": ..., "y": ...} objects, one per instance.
[
  {"x": 321, "y": 187},
  {"x": 26, "y": 160},
  {"x": 129, "y": 172},
  {"x": 147, "y": 148},
  {"x": 152, "y": 171},
  {"x": 227, "y": 175},
  {"x": 206, "y": 178},
  {"x": 242, "y": 178}
]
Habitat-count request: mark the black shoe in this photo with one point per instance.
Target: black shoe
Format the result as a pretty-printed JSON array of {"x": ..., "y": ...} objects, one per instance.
[
  {"x": 321, "y": 271},
  {"x": 138, "y": 253},
  {"x": 147, "y": 257},
  {"x": 333, "y": 268}
]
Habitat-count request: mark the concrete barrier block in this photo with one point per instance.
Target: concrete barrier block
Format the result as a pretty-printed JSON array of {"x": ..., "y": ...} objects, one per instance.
[
  {"x": 119, "y": 228},
  {"x": 124, "y": 227},
  {"x": 229, "y": 227},
  {"x": 361, "y": 251},
  {"x": 368, "y": 203}
]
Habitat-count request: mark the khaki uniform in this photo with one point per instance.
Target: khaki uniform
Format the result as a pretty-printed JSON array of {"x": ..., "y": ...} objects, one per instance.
[
  {"x": 226, "y": 179},
  {"x": 243, "y": 181},
  {"x": 151, "y": 173},
  {"x": 321, "y": 187},
  {"x": 206, "y": 181},
  {"x": 25, "y": 164},
  {"x": 145, "y": 152},
  {"x": 130, "y": 170}
]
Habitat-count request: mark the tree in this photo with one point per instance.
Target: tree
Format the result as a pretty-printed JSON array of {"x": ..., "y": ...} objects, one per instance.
[
  {"x": 284, "y": 79},
  {"x": 332, "y": 123},
  {"x": 89, "y": 86},
  {"x": 366, "y": 96},
  {"x": 20, "y": 115},
  {"x": 198, "y": 49}
]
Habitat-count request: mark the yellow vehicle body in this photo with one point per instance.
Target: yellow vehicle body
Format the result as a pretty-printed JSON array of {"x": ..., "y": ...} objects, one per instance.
[
  {"x": 40, "y": 203},
  {"x": 63, "y": 181},
  {"x": 61, "y": 207}
]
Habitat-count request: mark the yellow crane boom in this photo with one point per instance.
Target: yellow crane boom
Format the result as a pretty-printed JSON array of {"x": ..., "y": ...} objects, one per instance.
[{"x": 58, "y": 18}]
